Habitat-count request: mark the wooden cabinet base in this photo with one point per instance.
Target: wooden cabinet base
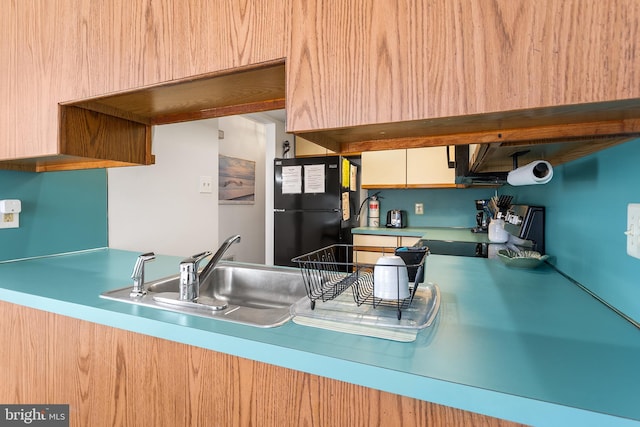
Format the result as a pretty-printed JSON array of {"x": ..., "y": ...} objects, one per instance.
[
  {"x": 113, "y": 377},
  {"x": 90, "y": 139}
]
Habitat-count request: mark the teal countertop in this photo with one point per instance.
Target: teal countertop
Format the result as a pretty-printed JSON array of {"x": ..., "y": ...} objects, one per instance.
[
  {"x": 524, "y": 345},
  {"x": 433, "y": 233}
]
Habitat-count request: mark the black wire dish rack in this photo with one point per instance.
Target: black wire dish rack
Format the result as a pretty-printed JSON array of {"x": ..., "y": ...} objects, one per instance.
[{"x": 329, "y": 271}]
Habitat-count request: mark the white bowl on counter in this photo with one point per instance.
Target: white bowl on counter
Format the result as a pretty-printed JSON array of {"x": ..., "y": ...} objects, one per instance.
[{"x": 390, "y": 278}]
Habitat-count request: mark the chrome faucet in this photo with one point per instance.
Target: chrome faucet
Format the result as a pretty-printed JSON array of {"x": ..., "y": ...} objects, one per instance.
[
  {"x": 138, "y": 274},
  {"x": 208, "y": 269},
  {"x": 190, "y": 280}
]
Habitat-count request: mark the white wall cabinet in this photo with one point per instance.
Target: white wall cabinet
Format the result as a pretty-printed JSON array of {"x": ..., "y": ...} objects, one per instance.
[
  {"x": 428, "y": 166},
  {"x": 384, "y": 169},
  {"x": 408, "y": 168}
]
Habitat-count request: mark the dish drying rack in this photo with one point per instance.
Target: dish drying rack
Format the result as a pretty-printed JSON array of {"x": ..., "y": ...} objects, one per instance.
[{"x": 329, "y": 271}]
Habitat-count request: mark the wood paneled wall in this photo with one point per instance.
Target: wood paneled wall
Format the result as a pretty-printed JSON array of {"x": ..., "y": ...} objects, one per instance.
[{"x": 111, "y": 377}]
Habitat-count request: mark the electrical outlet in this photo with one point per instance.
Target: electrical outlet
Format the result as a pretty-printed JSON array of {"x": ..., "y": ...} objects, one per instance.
[
  {"x": 419, "y": 209},
  {"x": 206, "y": 184},
  {"x": 9, "y": 220},
  {"x": 633, "y": 230}
]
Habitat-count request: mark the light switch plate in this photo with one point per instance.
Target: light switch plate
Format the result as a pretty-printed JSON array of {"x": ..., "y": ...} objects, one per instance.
[
  {"x": 633, "y": 230},
  {"x": 419, "y": 209}
]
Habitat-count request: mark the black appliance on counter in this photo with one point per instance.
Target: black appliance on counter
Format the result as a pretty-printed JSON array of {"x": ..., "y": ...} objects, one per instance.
[
  {"x": 449, "y": 247},
  {"x": 482, "y": 217},
  {"x": 315, "y": 204},
  {"x": 526, "y": 222}
]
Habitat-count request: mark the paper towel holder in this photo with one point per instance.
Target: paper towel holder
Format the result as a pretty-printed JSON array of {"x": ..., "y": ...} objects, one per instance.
[
  {"x": 515, "y": 156},
  {"x": 541, "y": 171}
]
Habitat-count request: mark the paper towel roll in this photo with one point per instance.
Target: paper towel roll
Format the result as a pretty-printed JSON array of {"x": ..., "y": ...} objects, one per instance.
[{"x": 536, "y": 172}]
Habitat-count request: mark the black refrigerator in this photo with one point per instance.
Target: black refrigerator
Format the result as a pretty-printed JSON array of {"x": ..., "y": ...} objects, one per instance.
[{"x": 316, "y": 200}]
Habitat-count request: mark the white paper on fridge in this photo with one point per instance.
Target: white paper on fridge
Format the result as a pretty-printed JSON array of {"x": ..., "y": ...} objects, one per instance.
[
  {"x": 354, "y": 178},
  {"x": 291, "y": 179},
  {"x": 346, "y": 209},
  {"x": 314, "y": 178}
]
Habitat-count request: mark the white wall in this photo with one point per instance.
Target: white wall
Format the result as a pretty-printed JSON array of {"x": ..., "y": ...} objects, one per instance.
[
  {"x": 275, "y": 135},
  {"x": 245, "y": 139},
  {"x": 159, "y": 208}
]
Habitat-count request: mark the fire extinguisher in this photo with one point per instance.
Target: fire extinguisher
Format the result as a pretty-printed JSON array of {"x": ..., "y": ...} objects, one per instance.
[{"x": 374, "y": 212}]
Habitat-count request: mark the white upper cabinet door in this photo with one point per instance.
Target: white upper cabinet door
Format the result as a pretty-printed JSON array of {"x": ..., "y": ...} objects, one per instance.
[
  {"x": 384, "y": 169},
  {"x": 429, "y": 167}
]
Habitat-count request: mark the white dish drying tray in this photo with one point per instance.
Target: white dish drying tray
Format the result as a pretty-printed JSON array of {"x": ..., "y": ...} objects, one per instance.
[{"x": 343, "y": 315}]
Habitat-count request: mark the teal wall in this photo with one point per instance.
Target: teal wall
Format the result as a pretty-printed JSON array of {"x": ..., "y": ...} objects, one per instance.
[
  {"x": 61, "y": 212},
  {"x": 586, "y": 205},
  {"x": 442, "y": 207},
  {"x": 586, "y": 209}
]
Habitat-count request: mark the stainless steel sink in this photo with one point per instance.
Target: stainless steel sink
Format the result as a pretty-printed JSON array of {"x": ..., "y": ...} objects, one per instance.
[{"x": 252, "y": 294}]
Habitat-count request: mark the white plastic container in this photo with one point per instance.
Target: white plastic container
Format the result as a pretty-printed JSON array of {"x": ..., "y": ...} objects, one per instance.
[
  {"x": 497, "y": 233},
  {"x": 390, "y": 278}
]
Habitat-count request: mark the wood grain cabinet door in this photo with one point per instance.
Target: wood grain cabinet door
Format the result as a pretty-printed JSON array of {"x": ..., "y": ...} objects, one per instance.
[
  {"x": 48, "y": 70},
  {"x": 57, "y": 51},
  {"x": 357, "y": 62},
  {"x": 218, "y": 35},
  {"x": 135, "y": 43},
  {"x": 7, "y": 82}
]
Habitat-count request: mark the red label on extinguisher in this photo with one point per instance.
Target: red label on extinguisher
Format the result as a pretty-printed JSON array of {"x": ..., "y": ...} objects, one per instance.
[{"x": 374, "y": 213}]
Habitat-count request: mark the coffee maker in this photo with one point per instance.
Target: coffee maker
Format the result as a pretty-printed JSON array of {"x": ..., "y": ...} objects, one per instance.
[
  {"x": 527, "y": 222},
  {"x": 483, "y": 216}
]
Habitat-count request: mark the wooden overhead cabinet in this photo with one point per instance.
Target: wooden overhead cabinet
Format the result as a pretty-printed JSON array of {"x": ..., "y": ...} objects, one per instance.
[
  {"x": 136, "y": 43},
  {"x": 8, "y": 70},
  {"x": 61, "y": 53},
  {"x": 388, "y": 61},
  {"x": 57, "y": 60},
  {"x": 360, "y": 76},
  {"x": 386, "y": 74}
]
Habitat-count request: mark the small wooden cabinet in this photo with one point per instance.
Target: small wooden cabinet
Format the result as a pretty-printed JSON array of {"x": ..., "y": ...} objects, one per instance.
[
  {"x": 369, "y": 247},
  {"x": 411, "y": 168}
]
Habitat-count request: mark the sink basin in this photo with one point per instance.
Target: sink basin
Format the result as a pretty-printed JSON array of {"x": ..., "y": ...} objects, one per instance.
[{"x": 254, "y": 295}]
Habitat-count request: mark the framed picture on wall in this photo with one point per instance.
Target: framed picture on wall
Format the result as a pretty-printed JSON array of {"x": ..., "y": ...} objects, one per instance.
[{"x": 236, "y": 181}]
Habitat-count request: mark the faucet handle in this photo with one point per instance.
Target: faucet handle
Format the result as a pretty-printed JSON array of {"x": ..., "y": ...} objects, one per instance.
[
  {"x": 189, "y": 282},
  {"x": 195, "y": 259},
  {"x": 138, "y": 274}
]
